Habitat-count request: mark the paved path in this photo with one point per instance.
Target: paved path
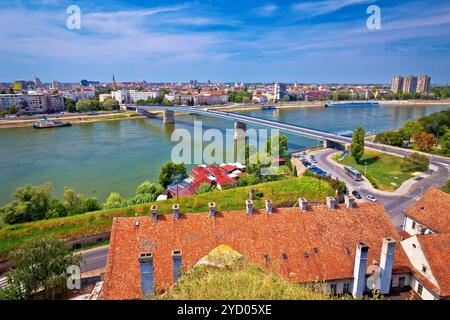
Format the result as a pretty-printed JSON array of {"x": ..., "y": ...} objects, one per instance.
[{"x": 94, "y": 259}]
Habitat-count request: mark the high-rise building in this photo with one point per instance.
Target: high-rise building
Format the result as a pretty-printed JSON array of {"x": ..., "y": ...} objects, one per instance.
[
  {"x": 397, "y": 84},
  {"x": 409, "y": 84},
  {"x": 423, "y": 84},
  {"x": 55, "y": 84},
  {"x": 279, "y": 91}
]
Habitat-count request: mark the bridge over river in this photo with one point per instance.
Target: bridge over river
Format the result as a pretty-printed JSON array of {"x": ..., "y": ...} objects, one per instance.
[{"x": 240, "y": 120}]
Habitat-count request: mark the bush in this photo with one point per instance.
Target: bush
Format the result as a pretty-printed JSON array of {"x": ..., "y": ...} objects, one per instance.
[
  {"x": 414, "y": 162},
  {"x": 204, "y": 188},
  {"x": 446, "y": 187}
]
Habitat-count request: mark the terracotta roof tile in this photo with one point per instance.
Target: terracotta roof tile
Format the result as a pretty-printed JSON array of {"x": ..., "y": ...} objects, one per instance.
[
  {"x": 288, "y": 231},
  {"x": 437, "y": 251},
  {"x": 432, "y": 210}
]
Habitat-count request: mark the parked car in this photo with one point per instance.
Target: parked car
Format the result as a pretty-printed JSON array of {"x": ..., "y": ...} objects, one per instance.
[
  {"x": 371, "y": 198},
  {"x": 356, "y": 194}
]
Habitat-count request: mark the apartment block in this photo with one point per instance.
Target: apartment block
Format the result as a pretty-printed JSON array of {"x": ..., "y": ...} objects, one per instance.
[
  {"x": 397, "y": 84},
  {"x": 423, "y": 84},
  {"x": 34, "y": 103}
]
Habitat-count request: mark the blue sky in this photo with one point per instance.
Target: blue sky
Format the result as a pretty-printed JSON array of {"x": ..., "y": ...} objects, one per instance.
[{"x": 224, "y": 40}]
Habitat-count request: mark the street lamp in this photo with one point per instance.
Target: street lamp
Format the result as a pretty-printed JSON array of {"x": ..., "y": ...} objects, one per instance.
[{"x": 365, "y": 168}]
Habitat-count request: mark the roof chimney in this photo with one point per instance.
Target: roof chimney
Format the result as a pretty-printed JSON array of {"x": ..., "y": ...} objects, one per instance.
[
  {"x": 154, "y": 211},
  {"x": 386, "y": 262},
  {"x": 303, "y": 204},
  {"x": 269, "y": 206},
  {"x": 146, "y": 270},
  {"x": 359, "y": 270},
  {"x": 212, "y": 209},
  {"x": 176, "y": 259},
  {"x": 176, "y": 211},
  {"x": 331, "y": 203},
  {"x": 349, "y": 201},
  {"x": 249, "y": 206}
]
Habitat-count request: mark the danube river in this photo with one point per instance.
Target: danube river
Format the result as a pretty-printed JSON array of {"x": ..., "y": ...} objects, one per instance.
[{"x": 102, "y": 157}]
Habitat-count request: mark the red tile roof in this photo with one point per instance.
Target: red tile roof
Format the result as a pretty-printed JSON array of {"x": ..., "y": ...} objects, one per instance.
[
  {"x": 432, "y": 210},
  {"x": 436, "y": 248},
  {"x": 335, "y": 234}
]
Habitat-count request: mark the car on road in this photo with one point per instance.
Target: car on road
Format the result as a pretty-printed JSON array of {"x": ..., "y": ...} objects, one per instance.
[
  {"x": 371, "y": 198},
  {"x": 356, "y": 194}
]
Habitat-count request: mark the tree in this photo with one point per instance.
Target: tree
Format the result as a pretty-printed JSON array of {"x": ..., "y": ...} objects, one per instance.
[
  {"x": 424, "y": 141},
  {"x": 445, "y": 142},
  {"x": 77, "y": 203},
  {"x": 70, "y": 105},
  {"x": 30, "y": 204},
  {"x": 88, "y": 105},
  {"x": 357, "y": 145},
  {"x": 114, "y": 201},
  {"x": 446, "y": 187},
  {"x": 171, "y": 171},
  {"x": 41, "y": 263},
  {"x": 110, "y": 104},
  {"x": 204, "y": 188},
  {"x": 393, "y": 138},
  {"x": 414, "y": 162},
  {"x": 149, "y": 188},
  {"x": 278, "y": 144},
  {"x": 410, "y": 128}
]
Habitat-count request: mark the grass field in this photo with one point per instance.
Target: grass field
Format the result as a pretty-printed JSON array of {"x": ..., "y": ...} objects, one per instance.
[
  {"x": 382, "y": 172},
  {"x": 283, "y": 193}
]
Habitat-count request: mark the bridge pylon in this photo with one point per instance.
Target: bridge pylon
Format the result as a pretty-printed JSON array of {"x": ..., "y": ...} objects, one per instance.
[
  {"x": 240, "y": 130},
  {"x": 169, "y": 116}
]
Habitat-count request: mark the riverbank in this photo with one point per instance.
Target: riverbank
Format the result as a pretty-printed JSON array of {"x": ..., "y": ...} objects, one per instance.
[
  {"x": 315, "y": 104},
  {"x": 72, "y": 118}
]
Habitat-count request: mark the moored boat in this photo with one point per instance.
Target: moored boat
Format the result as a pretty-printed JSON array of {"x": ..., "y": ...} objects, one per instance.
[{"x": 47, "y": 124}]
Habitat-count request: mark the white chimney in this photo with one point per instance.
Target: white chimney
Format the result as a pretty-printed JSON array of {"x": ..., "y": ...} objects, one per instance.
[
  {"x": 269, "y": 206},
  {"x": 176, "y": 211},
  {"x": 249, "y": 206},
  {"x": 212, "y": 209},
  {"x": 154, "y": 211},
  {"x": 386, "y": 263},
  {"x": 303, "y": 204},
  {"x": 359, "y": 270},
  {"x": 331, "y": 203},
  {"x": 349, "y": 201}
]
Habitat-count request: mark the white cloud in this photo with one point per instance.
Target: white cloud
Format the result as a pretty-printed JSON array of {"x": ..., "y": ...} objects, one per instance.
[
  {"x": 316, "y": 8},
  {"x": 266, "y": 10}
]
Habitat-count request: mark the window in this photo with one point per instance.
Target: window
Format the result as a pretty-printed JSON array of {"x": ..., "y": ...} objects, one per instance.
[
  {"x": 424, "y": 268},
  {"x": 419, "y": 289},
  {"x": 413, "y": 225},
  {"x": 414, "y": 245},
  {"x": 346, "y": 288},
  {"x": 285, "y": 257},
  {"x": 267, "y": 258},
  {"x": 401, "y": 282}
]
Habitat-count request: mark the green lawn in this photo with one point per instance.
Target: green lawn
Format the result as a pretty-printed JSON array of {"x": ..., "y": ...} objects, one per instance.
[
  {"x": 382, "y": 172},
  {"x": 283, "y": 193}
]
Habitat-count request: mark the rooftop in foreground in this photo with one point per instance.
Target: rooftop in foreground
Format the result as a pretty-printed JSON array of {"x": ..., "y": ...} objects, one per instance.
[{"x": 318, "y": 244}]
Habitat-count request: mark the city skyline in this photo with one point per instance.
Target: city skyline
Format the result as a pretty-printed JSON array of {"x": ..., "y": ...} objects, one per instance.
[{"x": 174, "y": 41}]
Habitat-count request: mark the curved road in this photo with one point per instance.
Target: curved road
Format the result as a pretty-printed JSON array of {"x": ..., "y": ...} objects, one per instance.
[{"x": 393, "y": 204}]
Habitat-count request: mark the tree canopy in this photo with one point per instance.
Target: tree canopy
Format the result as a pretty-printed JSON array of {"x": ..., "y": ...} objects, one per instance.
[{"x": 357, "y": 145}]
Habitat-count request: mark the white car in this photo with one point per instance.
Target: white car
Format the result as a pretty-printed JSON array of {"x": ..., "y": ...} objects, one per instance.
[{"x": 371, "y": 198}]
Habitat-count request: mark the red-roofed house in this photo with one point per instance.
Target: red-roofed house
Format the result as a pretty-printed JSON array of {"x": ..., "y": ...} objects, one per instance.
[
  {"x": 332, "y": 243},
  {"x": 431, "y": 214}
]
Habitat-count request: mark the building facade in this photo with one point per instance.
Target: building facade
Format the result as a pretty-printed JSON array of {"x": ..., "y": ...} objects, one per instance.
[
  {"x": 279, "y": 91},
  {"x": 423, "y": 84},
  {"x": 397, "y": 84},
  {"x": 35, "y": 103},
  {"x": 410, "y": 84}
]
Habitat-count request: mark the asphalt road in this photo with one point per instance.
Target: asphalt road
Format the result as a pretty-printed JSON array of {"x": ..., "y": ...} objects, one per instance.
[
  {"x": 393, "y": 204},
  {"x": 94, "y": 258}
]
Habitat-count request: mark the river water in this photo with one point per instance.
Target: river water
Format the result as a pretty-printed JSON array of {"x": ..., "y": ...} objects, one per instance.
[{"x": 98, "y": 158}]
